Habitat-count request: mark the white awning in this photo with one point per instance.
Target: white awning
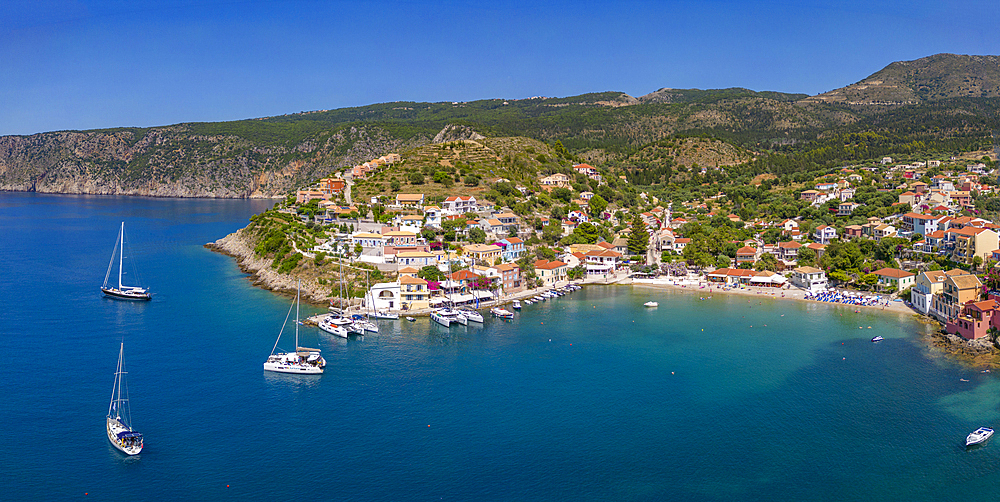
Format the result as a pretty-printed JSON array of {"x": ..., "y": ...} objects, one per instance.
[
  {"x": 774, "y": 279},
  {"x": 471, "y": 297}
]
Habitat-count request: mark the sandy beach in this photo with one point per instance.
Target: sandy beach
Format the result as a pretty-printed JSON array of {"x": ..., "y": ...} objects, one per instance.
[{"x": 706, "y": 288}]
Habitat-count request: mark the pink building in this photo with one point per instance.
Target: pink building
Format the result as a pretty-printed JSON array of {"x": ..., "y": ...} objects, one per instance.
[{"x": 975, "y": 320}]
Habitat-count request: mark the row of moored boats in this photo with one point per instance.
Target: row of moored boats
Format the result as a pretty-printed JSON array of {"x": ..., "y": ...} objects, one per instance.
[
  {"x": 338, "y": 323},
  {"x": 448, "y": 317}
]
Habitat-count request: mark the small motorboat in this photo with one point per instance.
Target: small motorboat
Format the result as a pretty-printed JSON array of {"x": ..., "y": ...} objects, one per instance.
[
  {"x": 411, "y": 319},
  {"x": 501, "y": 313},
  {"x": 516, "y": 305},
  {"x": 978, "y": 436},
  {"x": 650, "y": 304},
  {"x": 878, "y": 338}
]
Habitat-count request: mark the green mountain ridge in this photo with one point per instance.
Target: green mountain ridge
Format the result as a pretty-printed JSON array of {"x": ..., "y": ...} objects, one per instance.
[{"x": 942, "y": 101}]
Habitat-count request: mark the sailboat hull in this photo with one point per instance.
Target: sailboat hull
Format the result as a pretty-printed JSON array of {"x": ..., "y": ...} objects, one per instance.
[
  {"x": 299, "y": 369},
  {"x": 127, "y": 447},
  {"x": 126, "y": 295}
]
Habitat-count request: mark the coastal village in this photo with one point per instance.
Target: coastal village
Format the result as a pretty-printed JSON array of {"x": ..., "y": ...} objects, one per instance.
[{"x": 872, "y": 234}]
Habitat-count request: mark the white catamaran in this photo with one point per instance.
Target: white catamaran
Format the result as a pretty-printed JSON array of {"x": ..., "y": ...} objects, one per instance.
[
  {"x": 119, "y": 421},
  {"x": 122, "y": 292},
  {"x": 303, "y": 360}
]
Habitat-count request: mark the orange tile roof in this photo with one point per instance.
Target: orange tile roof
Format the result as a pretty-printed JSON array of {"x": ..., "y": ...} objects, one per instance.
[
  {"x": 893, "y": 272},
  {"x": 604, "y": 252},
  {"x": 463, "y": 275},
  {"x": 549, "y": 265}
]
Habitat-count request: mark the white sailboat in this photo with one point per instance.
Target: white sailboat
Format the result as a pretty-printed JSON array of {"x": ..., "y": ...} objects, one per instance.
[
  {"x": 122, "y": 292},
  {"x": 471, "y": 314},
  {"x": 303, "y": 360},
  {"x": 439, "y": 318},
  {"x": 119, "y": 422}
]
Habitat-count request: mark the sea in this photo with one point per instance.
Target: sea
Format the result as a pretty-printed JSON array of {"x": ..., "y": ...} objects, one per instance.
[{"x": 590, "y": 396}]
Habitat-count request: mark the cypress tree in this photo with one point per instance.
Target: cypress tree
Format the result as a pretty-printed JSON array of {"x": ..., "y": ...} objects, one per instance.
[{"x": 639, "y": 238}]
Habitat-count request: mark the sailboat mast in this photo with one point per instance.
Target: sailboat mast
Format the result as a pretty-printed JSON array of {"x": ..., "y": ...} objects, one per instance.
[
  {"x": 297, "y": 287},
  {"x": 121, "y": 257},
  {"x": 116, "y": 392}
]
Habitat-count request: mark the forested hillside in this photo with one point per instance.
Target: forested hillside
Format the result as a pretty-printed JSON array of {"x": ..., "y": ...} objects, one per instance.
[{"x": 951, "y": 105}]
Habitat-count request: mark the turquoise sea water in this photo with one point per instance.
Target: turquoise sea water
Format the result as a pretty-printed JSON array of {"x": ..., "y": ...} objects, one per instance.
[{"x": 586, "y": 397}]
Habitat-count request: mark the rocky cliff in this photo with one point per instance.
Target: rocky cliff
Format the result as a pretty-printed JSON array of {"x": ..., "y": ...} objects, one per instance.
[{"x": 179, "y": 161}]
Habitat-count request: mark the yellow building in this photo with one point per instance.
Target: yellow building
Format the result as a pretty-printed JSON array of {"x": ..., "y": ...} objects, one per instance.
[
  {"x": 413, "y": 292},
  {"x": 483, "y": 253}
]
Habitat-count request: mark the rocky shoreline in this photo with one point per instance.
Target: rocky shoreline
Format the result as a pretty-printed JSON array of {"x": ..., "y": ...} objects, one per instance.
[
  {"x": 979, "y": 353},
  {"x": 238, "y": 246}
]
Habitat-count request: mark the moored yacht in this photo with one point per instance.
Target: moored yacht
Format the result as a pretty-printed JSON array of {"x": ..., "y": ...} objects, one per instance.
[
  {"x": 978, "y": 436},
  {"x": 501, "y": 313},
  {"x": 454, "y": 316},
  {"x": 122, "y": 292},
  {"x": 119, "y": 420},
  {"x": 302, "y": 360},
  {"x": 361, "y": 322},
  {"x": 441, "y": 319},
  {"x": 472, "y": 315},
  {"x": 327, "y": 325}
]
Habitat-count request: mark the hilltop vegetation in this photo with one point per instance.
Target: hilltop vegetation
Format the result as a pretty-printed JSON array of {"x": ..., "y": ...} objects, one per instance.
[
  {"x": 953, "y": 106},
  {"x": 937, "y": 77}
]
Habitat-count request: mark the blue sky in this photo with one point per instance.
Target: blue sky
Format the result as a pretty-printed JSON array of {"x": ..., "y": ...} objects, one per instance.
[{"x": 83, "y": 64}]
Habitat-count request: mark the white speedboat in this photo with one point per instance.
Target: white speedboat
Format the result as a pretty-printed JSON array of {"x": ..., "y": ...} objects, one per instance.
[
  {"x": 119, "y": 421},
  {"x": 878, "y": 338},
  {"x": 516, "y": 305},
  {"x": 501, "y": 313},
  {"x": 441, "y": 319},
  {"x": 303, "y": 360},
  {"x": 411, "y": 319},
  {"x": 122, "y": 292},
  {"x": 978, "y": 436},
  {"x": 472, "y": 315},
  {"x": 651, "y": 304},
  {"x": 385, "y": 314}
]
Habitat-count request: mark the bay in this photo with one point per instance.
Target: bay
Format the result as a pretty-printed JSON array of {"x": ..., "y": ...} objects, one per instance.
[{"x": 587, "y": 397}]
